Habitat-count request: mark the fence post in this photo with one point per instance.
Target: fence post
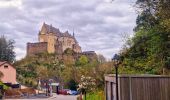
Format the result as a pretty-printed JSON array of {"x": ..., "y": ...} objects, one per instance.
[{"x": 130, "y": 87}]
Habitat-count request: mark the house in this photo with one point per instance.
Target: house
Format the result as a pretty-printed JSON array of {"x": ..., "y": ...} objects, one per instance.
[{"x": 9, "y": 73}]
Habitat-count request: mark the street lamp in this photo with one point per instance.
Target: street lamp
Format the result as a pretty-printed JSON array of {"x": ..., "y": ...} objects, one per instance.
[{"x": 116, "y": 61}]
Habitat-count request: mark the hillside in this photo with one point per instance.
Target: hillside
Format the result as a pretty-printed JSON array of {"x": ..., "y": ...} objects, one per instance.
[{"x": 67, "y": 71}]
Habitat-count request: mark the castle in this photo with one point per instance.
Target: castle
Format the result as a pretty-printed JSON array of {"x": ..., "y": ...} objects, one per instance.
[{"x": 52, "y": 40}]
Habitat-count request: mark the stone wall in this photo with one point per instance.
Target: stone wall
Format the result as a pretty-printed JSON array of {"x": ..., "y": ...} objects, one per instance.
[
  {"x": 51, "y": 41},
  {"x": 67, "y": 42},
  {"x": 58, "y": 48},
  {"x": 35, "y": 48},
  {"x": 91, "y": 55},
  {"x": 76, "y": 48}
]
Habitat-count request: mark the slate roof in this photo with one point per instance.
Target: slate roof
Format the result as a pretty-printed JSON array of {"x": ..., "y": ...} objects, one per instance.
[
  {"x": 50, "y": 29},
  {"x": 66, "y": 34}
]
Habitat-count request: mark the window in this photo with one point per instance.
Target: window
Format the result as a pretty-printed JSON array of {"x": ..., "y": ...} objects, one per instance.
[{"x": 6, "y": 66}]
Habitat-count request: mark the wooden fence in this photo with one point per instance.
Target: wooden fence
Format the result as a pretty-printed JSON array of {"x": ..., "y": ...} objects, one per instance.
[{"x": 138, "y": 87}]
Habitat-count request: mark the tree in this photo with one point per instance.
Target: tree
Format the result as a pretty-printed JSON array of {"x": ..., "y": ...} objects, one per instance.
[
  {"x": 149, "y": 51},
  {"x": 68, "y": 51},
  {"x": 83, "y": 60},
  {"x": 160, "y": 10},
  {"x": 88, "y": 83},
  {"x": 7, "y": 49}
]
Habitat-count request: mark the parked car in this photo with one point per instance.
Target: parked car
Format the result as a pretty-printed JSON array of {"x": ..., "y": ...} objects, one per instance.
[
  {"x": 72, "y": 92},
  {"x": 63, "y": 91}
]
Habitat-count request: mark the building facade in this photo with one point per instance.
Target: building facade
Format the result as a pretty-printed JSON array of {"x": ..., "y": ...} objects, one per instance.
[
  {"x": 8, "y": 73},
  {"x": 52, "y": 40}
]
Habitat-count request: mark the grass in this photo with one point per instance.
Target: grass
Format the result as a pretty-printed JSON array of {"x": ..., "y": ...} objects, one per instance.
[{"x": 98, "y": 95}]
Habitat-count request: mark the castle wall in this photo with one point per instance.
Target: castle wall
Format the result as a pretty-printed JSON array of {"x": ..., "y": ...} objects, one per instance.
[
  {"x": 42, "y": 38},
  {"x": 90, "y": 54},
  {"x": 35, "y": 48},
  {"x": 76, "y": 48},
  {"x": 67, "y": 42},
  {"x": 51, "y": 41},
  {"x": 58, "y": 47}
]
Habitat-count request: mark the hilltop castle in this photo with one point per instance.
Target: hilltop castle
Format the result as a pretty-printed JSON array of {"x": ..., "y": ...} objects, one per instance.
[{"x": 52, "y": 40}]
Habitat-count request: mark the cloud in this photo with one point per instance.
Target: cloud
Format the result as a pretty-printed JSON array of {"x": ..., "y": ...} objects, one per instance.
[
  {"x": 98, "y": 24},
  {"x": 10, "y": 3}
]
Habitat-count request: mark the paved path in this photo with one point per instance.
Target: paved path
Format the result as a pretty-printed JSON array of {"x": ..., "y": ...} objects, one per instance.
[
  {"x": 63, "y": 97},
  {"x": 54, "y": 97}
]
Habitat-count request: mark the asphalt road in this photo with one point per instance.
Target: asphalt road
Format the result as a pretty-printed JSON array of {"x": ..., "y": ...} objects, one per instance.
[
  {"x": 63, "y": 97},
  {"x": 54, "y": 97}
]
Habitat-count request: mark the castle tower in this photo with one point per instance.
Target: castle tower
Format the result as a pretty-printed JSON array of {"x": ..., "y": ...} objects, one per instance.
[{"x": 47, "y": 35}]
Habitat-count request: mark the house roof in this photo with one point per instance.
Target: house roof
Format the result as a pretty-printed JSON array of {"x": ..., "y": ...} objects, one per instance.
[{"x": 2, "y": 62}]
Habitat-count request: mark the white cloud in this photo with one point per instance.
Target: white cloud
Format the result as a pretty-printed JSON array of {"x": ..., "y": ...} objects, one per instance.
[
  {"x": 10, "y": 3},
  {"x": 20, "y": 52}
]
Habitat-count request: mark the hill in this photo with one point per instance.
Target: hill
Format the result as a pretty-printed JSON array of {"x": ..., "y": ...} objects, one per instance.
[{"x": 67, "y": 71}]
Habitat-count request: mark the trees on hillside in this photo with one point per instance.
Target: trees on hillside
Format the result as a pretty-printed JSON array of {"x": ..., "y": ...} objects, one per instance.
[
  {"x": 68, "y": 72},
  {"x": 148, "y": 50},
  {"x": 83, "y": 60},
  {"x": 7, "y": 49}
]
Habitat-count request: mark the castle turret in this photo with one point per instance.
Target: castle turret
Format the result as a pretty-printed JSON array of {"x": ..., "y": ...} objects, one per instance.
[
  {"x": 47, "y": 34},
  {"x": 73, "y": 33},
  {"x": 43, "y": 29}
]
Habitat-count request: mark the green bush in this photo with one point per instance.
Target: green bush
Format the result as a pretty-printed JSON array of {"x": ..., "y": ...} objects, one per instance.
[{"x": 4, "y": 86}]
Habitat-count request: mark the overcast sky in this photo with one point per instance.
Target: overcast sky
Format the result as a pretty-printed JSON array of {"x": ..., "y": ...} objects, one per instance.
[{"x": 98, "y": 24}]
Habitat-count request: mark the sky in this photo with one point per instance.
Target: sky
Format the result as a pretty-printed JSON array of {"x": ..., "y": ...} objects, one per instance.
[{"x": 99, "y": 25}]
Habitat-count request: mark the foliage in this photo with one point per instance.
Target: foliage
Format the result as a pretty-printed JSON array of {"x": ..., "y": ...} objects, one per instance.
[
  {"x": 72, "y": 85},
  {"x": 4, "y": 86},
  {"x": 68, "y": 70},
  {"x": 148, "y": 51},
  {"x": 6, "y": 49},
  {"x": 68, "y": 51},
  {"x": 83, "y": 60},
  {"x": 41, "y": 66}
]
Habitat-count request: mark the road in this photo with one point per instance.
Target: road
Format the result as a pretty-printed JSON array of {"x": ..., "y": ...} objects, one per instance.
[
  {"x": 54, "y": 97},
  {"x": 63, "y": 97}
]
